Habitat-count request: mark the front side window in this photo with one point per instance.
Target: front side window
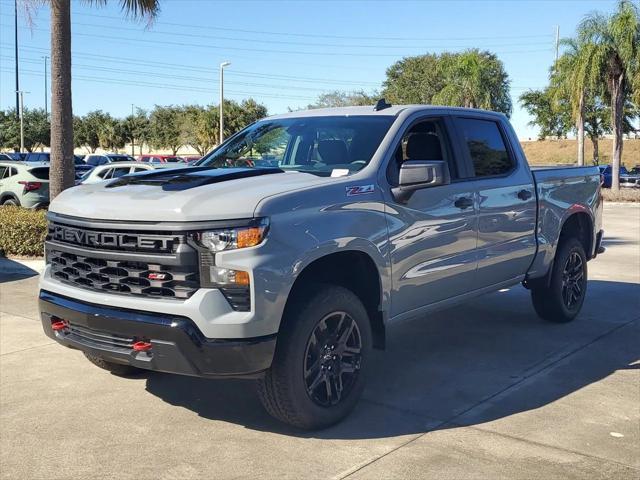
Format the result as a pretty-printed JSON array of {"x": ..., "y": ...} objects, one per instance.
[
  {"x": 486, "y": 147},
  {"x": 106, "y": 173},
  {"x": 119, "y": 172},
  {"x": 317, "y": 145},
  {"x": 424, "y": 141}
]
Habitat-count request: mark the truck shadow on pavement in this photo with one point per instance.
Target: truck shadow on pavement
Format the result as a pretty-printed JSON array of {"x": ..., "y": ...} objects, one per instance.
[
  {"x": 472, "y": 364},
  {"x": 10, "y": 270}
]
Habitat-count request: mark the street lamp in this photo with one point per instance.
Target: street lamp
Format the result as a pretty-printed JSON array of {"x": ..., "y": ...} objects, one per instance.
[
  {"x": 222, "y": 65},
  {"x": 133, "y": 121},
  {"x": 46, "y": 88},
  {"x": 21, "y": 93}
]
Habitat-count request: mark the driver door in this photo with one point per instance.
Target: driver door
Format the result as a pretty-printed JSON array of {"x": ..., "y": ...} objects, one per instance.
[{"x": 433, "y": 235}]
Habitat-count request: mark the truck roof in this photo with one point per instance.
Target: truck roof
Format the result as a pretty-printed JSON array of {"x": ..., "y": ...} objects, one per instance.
[{"x": 393, "y": 110}]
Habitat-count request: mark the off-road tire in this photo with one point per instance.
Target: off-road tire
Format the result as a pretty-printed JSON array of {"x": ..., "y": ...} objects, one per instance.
[
  {"x": 115, "y": 368},
  {"x": 283, "y": 389},
  {"x": 548, "y": 300}
]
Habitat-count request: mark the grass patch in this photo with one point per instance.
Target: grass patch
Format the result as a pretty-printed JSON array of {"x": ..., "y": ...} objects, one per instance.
[
  {"x": 22, "y": 231},
  {"x": 622, "y": 195},
  {"x": 551, "y": 152}
]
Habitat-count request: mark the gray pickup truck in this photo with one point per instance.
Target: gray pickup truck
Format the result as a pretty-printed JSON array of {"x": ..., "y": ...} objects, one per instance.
[{"x": 285, "y": 253}]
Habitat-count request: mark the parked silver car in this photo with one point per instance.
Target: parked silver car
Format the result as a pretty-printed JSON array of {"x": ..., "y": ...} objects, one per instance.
[
  {"x": 96, "y": 159},
  {"x": 115, "y": 170},
  {"x": 24, "y": 184}
]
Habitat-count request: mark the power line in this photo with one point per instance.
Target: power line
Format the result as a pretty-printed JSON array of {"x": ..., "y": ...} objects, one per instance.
[
  {"x": 113, "y": 81},
  {"x": 298, "y": 43},
  {"x": 194, "y": 68},
  {"x": 226, "y": 48},
  {"x": 317, "y": 35},
  {"x": 172, "y": 76}
]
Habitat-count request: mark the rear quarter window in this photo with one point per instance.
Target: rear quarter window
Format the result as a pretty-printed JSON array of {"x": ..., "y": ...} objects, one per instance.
[
  {"x": 486, "y": 147},
  {"x": 41, "y": 173}
]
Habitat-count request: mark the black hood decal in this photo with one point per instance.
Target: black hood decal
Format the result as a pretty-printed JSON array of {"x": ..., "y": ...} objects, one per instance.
[{"x": 190, "y": 177}]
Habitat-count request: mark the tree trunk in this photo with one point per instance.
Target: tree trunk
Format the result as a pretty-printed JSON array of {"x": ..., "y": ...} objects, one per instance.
[
  {"x": 617, "y": 105},
  {"x": 596, "y": 151},
  {"x": 62, "y": 172},
  {"x": 580, "y": 129}
]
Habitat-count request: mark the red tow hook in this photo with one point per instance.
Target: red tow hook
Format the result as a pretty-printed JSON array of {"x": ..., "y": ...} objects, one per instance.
[
  {"x": 141, "y": 346},
  {"x": 59, "y": 325}
]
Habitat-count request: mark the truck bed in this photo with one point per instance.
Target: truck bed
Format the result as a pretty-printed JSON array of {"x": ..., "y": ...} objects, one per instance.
[{"x": 562, "y": 191}]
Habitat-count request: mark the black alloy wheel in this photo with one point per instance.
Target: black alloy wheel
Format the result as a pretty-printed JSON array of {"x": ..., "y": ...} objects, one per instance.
[
  {"x": 332, "y": 359},
  {"x": 573, "y": 280}
]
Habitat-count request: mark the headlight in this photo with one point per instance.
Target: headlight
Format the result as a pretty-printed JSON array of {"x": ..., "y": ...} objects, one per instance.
[{"x": 233, "y": 238}]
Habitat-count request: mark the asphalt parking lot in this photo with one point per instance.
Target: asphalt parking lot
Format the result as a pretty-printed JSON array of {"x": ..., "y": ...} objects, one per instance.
[{"x": 485, "y": 390}]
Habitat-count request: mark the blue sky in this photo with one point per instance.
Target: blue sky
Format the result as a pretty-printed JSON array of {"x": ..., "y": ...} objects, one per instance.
[{"x": 283, "y": 52}]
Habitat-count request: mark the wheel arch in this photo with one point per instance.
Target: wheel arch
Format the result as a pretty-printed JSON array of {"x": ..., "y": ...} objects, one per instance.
[
  {"x": 353, "y": 269},
  {"x": 7, "y": 195},
  {"x": 578, "y": 224}
]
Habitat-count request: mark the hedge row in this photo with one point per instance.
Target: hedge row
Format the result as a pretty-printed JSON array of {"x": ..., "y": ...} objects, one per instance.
[{"x": 22, "y": 231}]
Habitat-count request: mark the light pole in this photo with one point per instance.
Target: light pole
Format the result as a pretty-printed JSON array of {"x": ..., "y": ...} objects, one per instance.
[
  {"x": 222, "y": 65},
  {"x": 46, "y": 93},
  {"x": 16, "y": 51},
  {"x": 21, "y": 93},
  {"x": 133, "y": 121}
]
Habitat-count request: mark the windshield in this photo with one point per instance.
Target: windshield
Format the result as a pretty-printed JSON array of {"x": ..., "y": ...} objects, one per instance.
[
  {"x": 316, "y": 145},
  {"x": 121, "y": 158}
]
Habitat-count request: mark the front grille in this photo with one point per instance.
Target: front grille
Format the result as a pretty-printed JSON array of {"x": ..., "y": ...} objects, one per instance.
[
  {"x": 100, "y": 339},
  {"x": 129, "y": 277},
  {"x": 125, "y": 241}
]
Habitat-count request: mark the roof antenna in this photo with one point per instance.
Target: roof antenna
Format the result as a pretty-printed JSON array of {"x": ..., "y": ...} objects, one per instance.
[{"x": 381, "y": 105}]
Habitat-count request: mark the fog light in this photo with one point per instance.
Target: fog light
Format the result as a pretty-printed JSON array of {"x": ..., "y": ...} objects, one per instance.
[{"x": 228, "y": 277}]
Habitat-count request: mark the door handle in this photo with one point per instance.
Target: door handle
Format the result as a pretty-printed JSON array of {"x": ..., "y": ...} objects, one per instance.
[
  {"x": 463, "y": 202},
  {"x": 524, "y": 194}
]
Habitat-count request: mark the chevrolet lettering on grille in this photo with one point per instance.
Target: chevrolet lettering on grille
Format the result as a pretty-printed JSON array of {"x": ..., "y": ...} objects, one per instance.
[{"x": 109, "y": 240}]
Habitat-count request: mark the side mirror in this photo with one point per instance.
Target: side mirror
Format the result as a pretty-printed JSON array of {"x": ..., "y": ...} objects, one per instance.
[{"x": 419, "y": 174}]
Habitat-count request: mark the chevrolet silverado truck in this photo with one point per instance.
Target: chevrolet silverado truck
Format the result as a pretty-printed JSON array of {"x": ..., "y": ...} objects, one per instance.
[{"x": 286, "y": 253}]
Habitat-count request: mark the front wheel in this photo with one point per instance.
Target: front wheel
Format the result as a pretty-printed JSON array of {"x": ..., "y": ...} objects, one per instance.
[
  {"x": 318, "y": 371},
  {"x": 561, "y": 300}
]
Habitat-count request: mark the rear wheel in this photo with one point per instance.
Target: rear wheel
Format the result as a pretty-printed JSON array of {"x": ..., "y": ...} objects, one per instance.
[
  {"x": 115, "y": 368},
  {"x": 11, "y": 202},
  {"x": 561, "y": 300},
  {"x": 318, "y": 371}
]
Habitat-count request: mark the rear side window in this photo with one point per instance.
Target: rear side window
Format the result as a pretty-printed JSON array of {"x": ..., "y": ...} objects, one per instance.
[
  {"x": 486, "y": 147},
  {"x": 41, "y": 173}
]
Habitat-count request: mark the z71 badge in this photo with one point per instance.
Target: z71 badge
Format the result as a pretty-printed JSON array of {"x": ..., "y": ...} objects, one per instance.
[{"x": 359, "y": 190}]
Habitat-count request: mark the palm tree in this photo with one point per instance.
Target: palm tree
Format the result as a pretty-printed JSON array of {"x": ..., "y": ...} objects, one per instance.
[
  {"x": 62, "y": 165},
  {"x": 474, "y": 79},
  {"x": 611, "y": 58},
  {"x": 569, "y": 80}
]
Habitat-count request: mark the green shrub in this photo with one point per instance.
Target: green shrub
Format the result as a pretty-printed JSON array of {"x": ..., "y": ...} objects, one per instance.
[{"x": 22, "y": 231}]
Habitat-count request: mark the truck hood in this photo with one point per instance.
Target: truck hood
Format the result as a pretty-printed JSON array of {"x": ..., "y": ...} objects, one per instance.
[{"x": 186, "y": 194}]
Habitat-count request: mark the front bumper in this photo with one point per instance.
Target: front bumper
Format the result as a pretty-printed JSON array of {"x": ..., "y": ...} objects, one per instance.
[{"x": 177, "y": 345}]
